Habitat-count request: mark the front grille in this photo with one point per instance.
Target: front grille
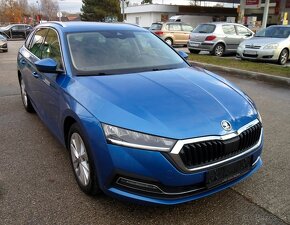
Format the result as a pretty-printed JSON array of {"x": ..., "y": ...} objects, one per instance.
[
  {"x": 253, "y": 46},
  {"x": 207, "y": 152},
  {"x": 250, "y": 55}
]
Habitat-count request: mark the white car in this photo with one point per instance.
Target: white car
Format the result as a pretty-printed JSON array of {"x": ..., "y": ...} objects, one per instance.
[{"x": 269, "y": 44}]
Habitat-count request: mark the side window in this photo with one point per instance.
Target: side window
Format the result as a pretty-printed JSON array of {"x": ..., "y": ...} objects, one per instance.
[
  {"x": 174, "y": 27},
  {"x": 229, "y": 29},
  {"x": 16, "y": 28},
  {"x": 36, "y": 44},
  {"x": 28, "y": 40},
  {"x": 51, "y": 48},
  {"x": 242, "y": 31},
  {"x": 187, "y": 28}
]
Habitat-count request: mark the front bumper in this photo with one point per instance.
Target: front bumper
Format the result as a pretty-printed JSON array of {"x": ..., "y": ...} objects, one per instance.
[
  {"x": 158, "y": 172},
  {"x": 258, "y": 54},
  {"x": 3, "y": 46}
]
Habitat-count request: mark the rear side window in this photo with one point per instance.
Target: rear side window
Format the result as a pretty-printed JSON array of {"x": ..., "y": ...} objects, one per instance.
[
  {"x": 229, "y": 29},
  {"x": 186, "y": 27},
  {"x": 37, "y": 42},
  {"x": 204, "y": 28},
  {"x": 173, "y": 27},
  {"x": 156, "y": 26}
]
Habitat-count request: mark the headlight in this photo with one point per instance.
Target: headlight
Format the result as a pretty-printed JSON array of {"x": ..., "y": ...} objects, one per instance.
[
  {"x": 271, "y": 46},
  {"x": 133, "y": 139}
]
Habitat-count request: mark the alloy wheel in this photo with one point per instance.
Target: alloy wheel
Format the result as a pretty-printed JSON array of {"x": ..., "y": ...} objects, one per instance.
[
  {"x": 23, "y": 93},
  {"x": 80, "y": 159}
]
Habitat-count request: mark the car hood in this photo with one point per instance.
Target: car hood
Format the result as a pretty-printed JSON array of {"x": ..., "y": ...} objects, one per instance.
[
  {"x": 179, "y": 103},
  {"x": 262, "y": 41}
]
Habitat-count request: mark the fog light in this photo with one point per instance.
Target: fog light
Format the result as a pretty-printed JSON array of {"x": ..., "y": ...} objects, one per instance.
[{"x": 137, "y": 185}]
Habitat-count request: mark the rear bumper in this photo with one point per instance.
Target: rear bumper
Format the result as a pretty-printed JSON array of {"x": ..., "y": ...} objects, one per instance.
[{"x": 202, "y": 46}]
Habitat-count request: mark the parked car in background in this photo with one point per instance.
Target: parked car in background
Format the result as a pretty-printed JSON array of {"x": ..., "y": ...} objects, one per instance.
[
  {"x": 173, "y": 33},
  {"x": 218, "y": 38},
  {"x": 269, "y": 44},
  {"x": 140, "y": 123},
  {"x": 3, "y": 44},
  {"x": 16, "y": 30}
]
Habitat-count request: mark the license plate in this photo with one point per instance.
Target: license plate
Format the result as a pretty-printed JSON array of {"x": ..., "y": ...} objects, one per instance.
[
  {"x": 249, "y": 52},
  {"x": 228, "y": 172},
  {"x": 194, "y": 44}
]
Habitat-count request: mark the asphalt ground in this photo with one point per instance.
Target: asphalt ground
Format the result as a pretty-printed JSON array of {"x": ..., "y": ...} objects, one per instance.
[{"x": 37, "y": 185}]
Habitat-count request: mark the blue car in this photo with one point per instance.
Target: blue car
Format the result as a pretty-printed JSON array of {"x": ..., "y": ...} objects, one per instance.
[{"x": 139, "y": 122}]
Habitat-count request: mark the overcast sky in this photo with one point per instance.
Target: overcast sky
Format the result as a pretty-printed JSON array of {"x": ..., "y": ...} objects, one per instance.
[{"x": 75, "y": 5}]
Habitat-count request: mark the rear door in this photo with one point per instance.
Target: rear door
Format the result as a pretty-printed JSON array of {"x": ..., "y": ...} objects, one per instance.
[
  {"x": 231, "y": 38},
  {"x": 176, "y": 32},
  {"x": 29, "y": 72}
]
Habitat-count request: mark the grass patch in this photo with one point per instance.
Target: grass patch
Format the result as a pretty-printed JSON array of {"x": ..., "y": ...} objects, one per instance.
[{"x": 260, "y": 67}]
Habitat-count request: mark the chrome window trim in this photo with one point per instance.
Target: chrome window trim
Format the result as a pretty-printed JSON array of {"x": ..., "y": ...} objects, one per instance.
[{"x": 174, "y": 154}]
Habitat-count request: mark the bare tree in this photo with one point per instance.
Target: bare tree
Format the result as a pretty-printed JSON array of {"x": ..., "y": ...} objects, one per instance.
[{"x": 49, "y": 8}]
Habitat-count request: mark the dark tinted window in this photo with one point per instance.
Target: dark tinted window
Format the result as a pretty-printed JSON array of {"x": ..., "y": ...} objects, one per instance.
[
  {"x": 274, "y": 32},
  {"x": 204, "y": 28},
  {"x": 51, "y": 48},
  {"x": 36, "y": 44},
  {"x": 186, "y": 27},
  {"x": 156, "y": 26},
  {"x": 229, "y": 29},
  {"x": 120, "y": 51}
]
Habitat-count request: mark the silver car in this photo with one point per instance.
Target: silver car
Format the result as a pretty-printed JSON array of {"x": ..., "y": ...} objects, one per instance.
[
  {"x": 269, "y": 44},
  {"x": 3, "y": 43},
  {"x": 218, "y": 38}
]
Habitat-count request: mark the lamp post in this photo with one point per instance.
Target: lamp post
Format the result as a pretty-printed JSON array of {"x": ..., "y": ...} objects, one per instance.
[{"x": 123, "y": 9}]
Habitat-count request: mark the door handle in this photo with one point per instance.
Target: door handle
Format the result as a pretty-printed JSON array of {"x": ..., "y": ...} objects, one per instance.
[{"x": 35, "y": 74}]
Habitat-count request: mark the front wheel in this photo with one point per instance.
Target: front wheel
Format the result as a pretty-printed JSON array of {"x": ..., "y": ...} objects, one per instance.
[
  {"x": 82, "y": 162},
  {"x": 25, "y": 97},
  {"x": 219, "y": 50},
  {"x": 283, "y": 58}
]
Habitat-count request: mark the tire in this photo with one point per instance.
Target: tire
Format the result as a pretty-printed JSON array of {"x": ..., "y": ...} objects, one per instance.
[
  {"x": 219, "y": 50},
  {"x": 194, "y": 51},
  {"x": 169, "y": 41},
  {"x": 25, "y": 97},
  {"x": 81, "y": 161},
  {"x": 283, "y": 58}
]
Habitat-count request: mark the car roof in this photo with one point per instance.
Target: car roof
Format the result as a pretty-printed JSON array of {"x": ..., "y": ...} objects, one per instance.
[{"x": 80, "y": 26}]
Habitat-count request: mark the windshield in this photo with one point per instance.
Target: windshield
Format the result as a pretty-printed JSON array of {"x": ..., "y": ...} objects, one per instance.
[
  {"x": 274, "y": 32},
  {"x": 113, "y": 52},
  {"x": 204, "y": 28}
]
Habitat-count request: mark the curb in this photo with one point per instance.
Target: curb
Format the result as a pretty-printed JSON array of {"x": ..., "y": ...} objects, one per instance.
[{"x": 245, "y": 74}]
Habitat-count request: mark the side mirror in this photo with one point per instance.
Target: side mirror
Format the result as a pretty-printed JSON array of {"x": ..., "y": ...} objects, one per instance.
[
  {"x": 46, "y": 65},
  {"x": 249, "y": 35},
  {"x": 183, "y": 54}
]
